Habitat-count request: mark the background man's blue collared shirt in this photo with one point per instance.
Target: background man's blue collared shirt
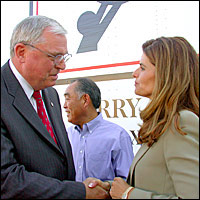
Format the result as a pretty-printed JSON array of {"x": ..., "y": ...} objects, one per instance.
[{"x": 101, "y": 149}]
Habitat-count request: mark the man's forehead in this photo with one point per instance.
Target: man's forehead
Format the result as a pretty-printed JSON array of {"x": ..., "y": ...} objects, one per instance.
[
  {"x": 70, "y": 89},
  {"x": 66, "y": 94}
]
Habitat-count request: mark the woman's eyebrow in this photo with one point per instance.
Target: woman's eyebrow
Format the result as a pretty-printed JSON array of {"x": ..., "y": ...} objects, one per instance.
[{"x": 143, "y": 64}]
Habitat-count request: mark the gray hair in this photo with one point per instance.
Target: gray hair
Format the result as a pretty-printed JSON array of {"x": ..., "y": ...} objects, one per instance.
[
  {"x": 31, "y": 28},
  {"x": 87, "y": 86}
]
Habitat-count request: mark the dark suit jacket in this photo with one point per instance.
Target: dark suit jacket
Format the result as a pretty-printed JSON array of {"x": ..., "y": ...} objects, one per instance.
[{"x": 32, "y": 165}]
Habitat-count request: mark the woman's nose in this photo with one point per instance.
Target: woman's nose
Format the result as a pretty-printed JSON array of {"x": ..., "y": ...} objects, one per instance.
[{"x": 135, "y": 74}]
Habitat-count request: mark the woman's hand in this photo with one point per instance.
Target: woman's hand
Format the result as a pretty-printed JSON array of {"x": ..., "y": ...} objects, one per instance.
[{"x": 119, "y": 186}]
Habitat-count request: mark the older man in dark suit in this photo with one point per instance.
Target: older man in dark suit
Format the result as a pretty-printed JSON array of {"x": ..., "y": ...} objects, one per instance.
[{"x": 36, "y": 157}]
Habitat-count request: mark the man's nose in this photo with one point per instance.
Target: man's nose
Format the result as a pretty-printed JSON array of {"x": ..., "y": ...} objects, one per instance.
[{"x": 61, "y": 65}]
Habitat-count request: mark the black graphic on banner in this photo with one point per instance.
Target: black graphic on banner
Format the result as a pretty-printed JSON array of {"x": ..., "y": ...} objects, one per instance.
[{"x": 92, "y": 26}]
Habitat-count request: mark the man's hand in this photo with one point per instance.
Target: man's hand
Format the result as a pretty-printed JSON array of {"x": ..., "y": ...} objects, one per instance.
[{"x": 96, "y": 189}]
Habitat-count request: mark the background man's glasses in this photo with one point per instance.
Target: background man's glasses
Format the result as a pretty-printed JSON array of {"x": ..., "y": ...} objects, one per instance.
[{"x": 57, "y": 59}]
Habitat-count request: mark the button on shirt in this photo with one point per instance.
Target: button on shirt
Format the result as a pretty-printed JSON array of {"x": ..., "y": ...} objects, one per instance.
[{"x": 101, "y": 149}]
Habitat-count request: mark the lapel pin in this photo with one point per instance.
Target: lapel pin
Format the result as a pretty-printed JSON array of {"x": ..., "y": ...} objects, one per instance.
[{"x": 52, "y": 104}]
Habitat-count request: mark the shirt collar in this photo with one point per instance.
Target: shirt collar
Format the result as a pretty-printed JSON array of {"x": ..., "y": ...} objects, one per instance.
[
  {"x": 25, "y": 85},
  {"x": 91, "y": 125}
]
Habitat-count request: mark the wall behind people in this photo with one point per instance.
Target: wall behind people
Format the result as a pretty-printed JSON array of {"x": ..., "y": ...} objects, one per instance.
[
  {"x": 118, "y": 44},
  {"x": 125, "y": 31},
  {"x": 11, "y": 13}
]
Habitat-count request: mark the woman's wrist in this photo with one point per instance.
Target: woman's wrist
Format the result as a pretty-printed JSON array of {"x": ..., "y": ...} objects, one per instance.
[{"x": 125, "y": 194}]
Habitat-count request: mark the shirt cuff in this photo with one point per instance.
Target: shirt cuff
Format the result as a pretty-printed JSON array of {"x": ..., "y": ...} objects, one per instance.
[{"x": 125, "y": 194}]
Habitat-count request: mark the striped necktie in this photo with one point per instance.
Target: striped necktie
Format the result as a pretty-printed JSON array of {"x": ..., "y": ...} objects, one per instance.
[{"x": 42, "y": 113}]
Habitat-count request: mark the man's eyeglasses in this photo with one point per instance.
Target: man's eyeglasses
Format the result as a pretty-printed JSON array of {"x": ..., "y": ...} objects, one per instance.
[{"x": 57, "y": 59}]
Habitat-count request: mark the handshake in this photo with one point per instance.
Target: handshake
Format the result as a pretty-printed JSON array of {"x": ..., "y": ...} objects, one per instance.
[{"x": 97, "y": 189}]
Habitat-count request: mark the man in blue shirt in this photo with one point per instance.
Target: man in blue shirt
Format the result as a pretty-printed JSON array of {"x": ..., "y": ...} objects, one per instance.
[{"x": 100, "y": 148}]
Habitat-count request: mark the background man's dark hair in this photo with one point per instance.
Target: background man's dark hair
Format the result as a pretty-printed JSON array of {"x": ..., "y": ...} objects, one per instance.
[{"x": 87, "y": 86}]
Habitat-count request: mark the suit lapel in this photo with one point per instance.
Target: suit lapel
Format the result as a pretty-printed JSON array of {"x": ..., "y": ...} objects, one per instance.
[
  {"x": 51, "y": 107},
  {"x": 143, "y": 149},
  {"x": 23, "y": 105}
]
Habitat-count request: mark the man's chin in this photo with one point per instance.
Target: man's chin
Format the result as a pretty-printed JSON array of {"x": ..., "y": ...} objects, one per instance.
[
  {"x": 51, "y": 83},
  {"x": 71, "y": 121},
  {"x": 54, "y": 77}
]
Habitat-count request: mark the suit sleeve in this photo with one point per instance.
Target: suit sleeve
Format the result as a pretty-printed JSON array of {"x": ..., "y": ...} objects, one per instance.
[
  {"x": 17, "y": 182},
  {"x": 182, "y": 159}
]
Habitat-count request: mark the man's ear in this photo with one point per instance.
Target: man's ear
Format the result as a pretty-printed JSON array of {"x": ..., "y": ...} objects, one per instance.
[
  {"x": 86, "y": 99},
  {"x": 20, "y": 52}
]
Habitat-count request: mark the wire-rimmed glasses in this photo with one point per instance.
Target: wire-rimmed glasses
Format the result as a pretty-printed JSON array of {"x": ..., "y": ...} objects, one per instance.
[{"x": 57, "y": 59}]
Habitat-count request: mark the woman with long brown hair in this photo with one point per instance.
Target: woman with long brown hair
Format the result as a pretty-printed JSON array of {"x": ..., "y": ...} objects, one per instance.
[{"x": 167, "y": 164}]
